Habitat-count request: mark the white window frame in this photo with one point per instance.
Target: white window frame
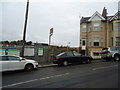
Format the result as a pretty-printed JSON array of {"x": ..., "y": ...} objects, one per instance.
[
  {"x": 84, "y": 27},
  {"x": 85, "y": 42},
  {"x": 96, "y": 39},
  {"x": 117, "y": 41},
  {"x": 96, "y": 26},
  {"x": 117, "y": 26},
  {"x": 96, "y": 53}
]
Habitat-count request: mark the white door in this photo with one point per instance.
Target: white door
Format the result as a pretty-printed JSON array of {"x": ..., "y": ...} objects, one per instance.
[
  {"x": 4, "y": 63},
  {"x": 15, "y": 63}
]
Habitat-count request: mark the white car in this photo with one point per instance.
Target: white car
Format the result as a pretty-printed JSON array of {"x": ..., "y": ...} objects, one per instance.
[
  {"x": 10, "y": 63},
  {"x": 111, "y": 53}
]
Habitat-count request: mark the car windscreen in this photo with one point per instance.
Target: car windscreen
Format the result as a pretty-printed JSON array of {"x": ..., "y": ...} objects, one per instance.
[
  {"x": 76, "y": 54},
  {"x": 69, "y": 54},
  {"x": 113, "y": 48},
  {"x": 118, "y": 48}
]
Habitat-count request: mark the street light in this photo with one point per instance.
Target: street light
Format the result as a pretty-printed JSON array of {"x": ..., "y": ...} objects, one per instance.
[
  {"x": 51, "y": 33},
  {"x": 68, "y": 45},
  {"x": 49, "y": 45}
]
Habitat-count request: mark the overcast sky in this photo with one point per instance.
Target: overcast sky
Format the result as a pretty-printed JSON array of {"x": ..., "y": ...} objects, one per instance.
[{"x": 62, "y": 15}]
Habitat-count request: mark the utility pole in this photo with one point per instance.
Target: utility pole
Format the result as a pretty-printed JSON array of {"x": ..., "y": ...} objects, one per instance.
[{"x": 25, "y": 26}]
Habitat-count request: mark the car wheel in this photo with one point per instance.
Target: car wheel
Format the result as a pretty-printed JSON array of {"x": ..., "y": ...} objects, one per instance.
[
  {"x": 60, "y": 64},
  {"x": 65, "y": 63},
  {"x": 117, "y": 57},
  {"x": 29, "y": 67},
  {"x": 88, "y": 61},
  {"x": 107, "y": 60}
]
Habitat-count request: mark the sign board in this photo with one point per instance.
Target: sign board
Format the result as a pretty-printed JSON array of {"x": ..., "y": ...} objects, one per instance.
[
  {"x": 2, "y": 51},
  {"x": 10, "y": 52},
  {"x": 14, "y": 52},
  {"x": 51, "y": 31},
  {"x": 40, "y": 51},
  {"x": 29, "y": 52}
]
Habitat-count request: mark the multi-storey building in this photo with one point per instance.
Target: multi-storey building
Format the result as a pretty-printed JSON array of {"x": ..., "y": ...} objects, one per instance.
[{"x": 99, "y": 31}]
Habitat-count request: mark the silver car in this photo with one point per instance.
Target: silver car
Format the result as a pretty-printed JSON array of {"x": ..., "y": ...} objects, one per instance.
[
  {"x": 111, "y": 53},
  {"x": 10, "y": 63}
]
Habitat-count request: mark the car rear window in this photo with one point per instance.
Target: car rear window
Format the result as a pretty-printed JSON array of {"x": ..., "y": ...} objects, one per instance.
[
  {"x": 62, "y": 54},
  {"x": 105, "y": 49},
  {"x": 3, "y": 58}
]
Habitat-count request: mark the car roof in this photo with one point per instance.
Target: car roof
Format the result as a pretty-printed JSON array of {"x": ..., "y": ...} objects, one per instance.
[
  {"x": 70, "y": 51},
  {"x": 9, "y": 55}
]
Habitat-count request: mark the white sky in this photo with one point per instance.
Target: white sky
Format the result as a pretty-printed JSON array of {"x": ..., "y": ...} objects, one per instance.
[{"x": 62, "y": 15}]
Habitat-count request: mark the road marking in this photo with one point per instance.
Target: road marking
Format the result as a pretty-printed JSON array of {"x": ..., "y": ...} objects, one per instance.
[
  {"x": 104, "y": 67},
  {"x": 35, "y": 80}
]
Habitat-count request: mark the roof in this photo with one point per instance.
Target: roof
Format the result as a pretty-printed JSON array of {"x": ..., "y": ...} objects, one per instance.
[
  {"x": 103, "y": 16},
  {"x": 84, "y": 19},
  {"x": 109, "y": 17},
  {"x": 41, "y": 44},
  {"x": 116, "y": 16},
  {"x": 98, "y": 14}
]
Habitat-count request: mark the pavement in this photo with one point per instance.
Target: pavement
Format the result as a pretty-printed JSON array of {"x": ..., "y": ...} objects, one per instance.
[
  {"x": 51, "y": 64},
  {"x": 46, "y": 65}
]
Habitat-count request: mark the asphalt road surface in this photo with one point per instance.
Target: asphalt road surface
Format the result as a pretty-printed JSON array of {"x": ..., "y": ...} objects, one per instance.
[{"x": 94, "y": 75}]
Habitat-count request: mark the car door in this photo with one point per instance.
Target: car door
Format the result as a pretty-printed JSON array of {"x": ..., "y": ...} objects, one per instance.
[
  {"x": 77, "y": 57},
  {"x": 4, "y": 63},
  {"x": 70, "y": 57},
  {"x": 15, "y": 63}
]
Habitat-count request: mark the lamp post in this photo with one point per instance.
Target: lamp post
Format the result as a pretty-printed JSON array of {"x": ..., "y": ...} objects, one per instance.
[
  {"x": 25, "y": 26},
  {"x": 68, "y": 46},
  {"x": 51, "y": 33},
  {"x": 49, "y": 46}
]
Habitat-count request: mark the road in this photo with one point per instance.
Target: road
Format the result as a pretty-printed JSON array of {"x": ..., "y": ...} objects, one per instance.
[{"x": 95, "y": 75}]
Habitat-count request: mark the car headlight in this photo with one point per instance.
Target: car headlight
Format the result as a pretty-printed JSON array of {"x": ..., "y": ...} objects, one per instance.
[{"x": 35, "y": 62}]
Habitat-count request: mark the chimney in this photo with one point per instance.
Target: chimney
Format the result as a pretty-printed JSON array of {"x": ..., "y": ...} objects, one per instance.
[{"x": 104, "y": 13}]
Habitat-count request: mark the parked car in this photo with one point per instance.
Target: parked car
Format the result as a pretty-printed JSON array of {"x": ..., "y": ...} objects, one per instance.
[
  {"x": 66, "y": 58},
  {"x": 10, "y": 63},
  {"x": 111, "y": 53}
]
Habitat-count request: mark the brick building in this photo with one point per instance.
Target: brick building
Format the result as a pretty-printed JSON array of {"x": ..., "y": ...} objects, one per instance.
[{"x": 99, "y": 31}]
